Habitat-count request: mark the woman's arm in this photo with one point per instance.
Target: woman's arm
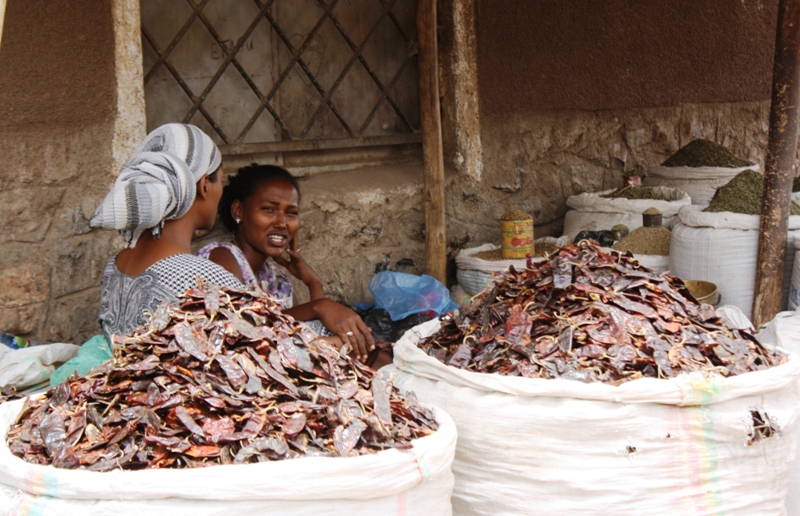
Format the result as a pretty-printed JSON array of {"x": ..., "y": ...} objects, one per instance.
[
  {"x": 339, "y": 319},
  {"x": 226, "y": 260},
  {"x": 301, "y": 270}
]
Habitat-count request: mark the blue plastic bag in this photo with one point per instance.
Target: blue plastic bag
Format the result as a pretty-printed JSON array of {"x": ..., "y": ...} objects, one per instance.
[
  {"x": 93, "y": 352},
  {"x": 403, "y": 294}
]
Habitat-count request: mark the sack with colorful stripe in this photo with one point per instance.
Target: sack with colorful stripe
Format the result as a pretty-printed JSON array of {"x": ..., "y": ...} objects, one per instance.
[
  {"x": 389, "y": 482},
  {"x": 689, "y": 445}
]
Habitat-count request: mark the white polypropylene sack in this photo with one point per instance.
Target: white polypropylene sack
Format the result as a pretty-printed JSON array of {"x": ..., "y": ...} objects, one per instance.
[
  {"x": 465, "y": 259},
  {"x": 653, "y": 261},
  {"x": 593, "y": 212},
  {"x": 794, "y": 291},
  {"x": 474, "y": 274},
  {"x": 700, "y": 183},
  {"x": 784, "y": 332},
  {"x": 29, "y": 366},
  {"x": 417, "y": 481},
  {"x": 723, "y": 248},
  {"x": 649, "y": 446},
  {"x": 733, "y": 317}
]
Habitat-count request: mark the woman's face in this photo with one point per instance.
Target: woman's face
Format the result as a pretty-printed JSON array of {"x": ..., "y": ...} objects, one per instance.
[{"x": 269, "y": 218}]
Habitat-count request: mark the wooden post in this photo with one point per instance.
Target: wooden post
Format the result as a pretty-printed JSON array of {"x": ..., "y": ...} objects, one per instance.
[
  {"x": 779, "y": 170},
  {"x": 2, "y": 17},
  {"x": 433, "y": 160}
]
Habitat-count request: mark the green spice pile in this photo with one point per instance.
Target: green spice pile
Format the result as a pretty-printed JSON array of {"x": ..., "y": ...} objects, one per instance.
[
  {"x": 515, "y": 215},
  {"x": 646, "y": 241},
  {"x": 634, "y": 192},
  {"x": 704, "y": 153},
  {"x": 495, "y": 255},
  {"x": 742, "y": 194}
]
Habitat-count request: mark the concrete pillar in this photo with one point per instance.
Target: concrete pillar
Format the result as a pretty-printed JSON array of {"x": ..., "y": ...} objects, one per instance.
[
  {"x": 459, "y": 87},
  {"x": 130, "y": 120}
]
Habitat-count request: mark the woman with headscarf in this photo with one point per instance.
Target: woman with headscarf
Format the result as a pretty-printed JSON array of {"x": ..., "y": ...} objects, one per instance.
[{"x": 169, "y": 189}]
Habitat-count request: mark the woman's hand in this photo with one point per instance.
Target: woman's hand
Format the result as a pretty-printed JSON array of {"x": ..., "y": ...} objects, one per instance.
[
  {"x": 377, "y": 357},
  {"x": 347, "y": 325},
  {"x": 301, "y": 270}
]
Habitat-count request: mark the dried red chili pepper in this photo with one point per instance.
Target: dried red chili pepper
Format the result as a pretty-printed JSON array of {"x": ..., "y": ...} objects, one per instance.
[
  {"x": 223, "y": 377},
  {"x": 590, "y": 315}
]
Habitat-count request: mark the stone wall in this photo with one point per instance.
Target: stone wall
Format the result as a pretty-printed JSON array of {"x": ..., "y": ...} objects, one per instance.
[
  {"x": 61, "y": 128},
  {"x": 570, "y": 96},
  {"x": 535, "y": 162}
]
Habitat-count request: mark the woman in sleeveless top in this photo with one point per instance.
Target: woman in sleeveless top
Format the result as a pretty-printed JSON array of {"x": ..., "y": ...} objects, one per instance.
[{"x": 260, "y": 205}]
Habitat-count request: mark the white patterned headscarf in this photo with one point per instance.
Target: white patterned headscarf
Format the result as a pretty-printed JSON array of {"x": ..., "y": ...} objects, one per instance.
[{"x": 158, "y": 182}]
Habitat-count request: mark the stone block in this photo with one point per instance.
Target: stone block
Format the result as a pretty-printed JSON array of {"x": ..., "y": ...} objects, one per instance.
[
  {"x": 72, "y": 216},
  {"x": 26, "y": 213},
  {"x": 23, "y": 285},
  {"x": 21, "y": 320},
  {"x": 80, "y": 265},
  {"x": 73, "y": 318}
]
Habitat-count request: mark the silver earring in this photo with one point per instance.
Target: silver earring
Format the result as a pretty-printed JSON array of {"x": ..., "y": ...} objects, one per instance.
[{"x": 238, "y": 220}]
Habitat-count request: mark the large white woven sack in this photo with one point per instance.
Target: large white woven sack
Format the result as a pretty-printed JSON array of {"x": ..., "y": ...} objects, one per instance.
[
  {"x": 593, "y": 212},
  {"x": 723, "y": 248},
  {"x": 794, "y": 290},
  {"x": 784, "y": 332},
  {"x": 649, "y": 446},
  {"x": 26, "y": 367},
  {"x": 653, "y": 262},
  {"x": 418, "y": 481},
  {"x": 700, "y": 183},
  {"x": 474, "y": 274},
  {"x": 466, "y": 259}
]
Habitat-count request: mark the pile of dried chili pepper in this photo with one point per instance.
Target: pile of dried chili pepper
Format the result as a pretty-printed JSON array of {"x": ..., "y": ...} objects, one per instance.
[
  {"x": 589, "y": 315},
  {"x": 223, "y": 378}
]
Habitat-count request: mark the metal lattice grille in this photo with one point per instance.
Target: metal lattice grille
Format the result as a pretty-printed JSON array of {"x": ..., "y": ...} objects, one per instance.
[{"x": 261, "y": 74}]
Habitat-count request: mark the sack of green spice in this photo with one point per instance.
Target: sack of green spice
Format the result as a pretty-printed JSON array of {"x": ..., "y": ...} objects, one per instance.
[
  {"x": 722, "y": 247},
  {"x": 743, "y": 194},
  {"x": 698, "y": 168},
  {"x": 794, "y": 290},
  {"x": 594, "y": 212}
]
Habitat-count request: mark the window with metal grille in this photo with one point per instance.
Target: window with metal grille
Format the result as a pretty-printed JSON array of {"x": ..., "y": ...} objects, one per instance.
[{"x": 283, "y": 75}]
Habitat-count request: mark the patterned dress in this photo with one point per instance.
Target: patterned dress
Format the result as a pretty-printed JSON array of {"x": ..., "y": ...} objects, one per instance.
[
  {"x": 270, "y": 279},
  {"x": 125, "y": 299}
]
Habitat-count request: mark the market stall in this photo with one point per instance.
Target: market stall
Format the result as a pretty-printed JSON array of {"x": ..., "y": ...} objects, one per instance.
[{"x": 579, "y": 380}]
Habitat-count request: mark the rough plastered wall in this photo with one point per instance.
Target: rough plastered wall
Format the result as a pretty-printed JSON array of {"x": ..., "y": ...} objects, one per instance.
[
  {"x": 63, "y": 130},
  {"x": 361, "y": 222},
  {"x": 573, "y": 94}
]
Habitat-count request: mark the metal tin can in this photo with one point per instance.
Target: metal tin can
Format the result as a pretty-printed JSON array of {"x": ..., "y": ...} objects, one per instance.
[
  {"x": 516, "y": 238},
  {"x": 633, "y": 181}
]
